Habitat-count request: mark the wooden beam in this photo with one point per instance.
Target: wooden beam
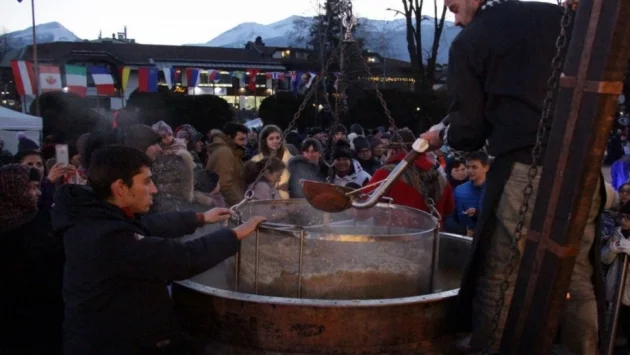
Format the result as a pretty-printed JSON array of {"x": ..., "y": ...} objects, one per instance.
[{"x": 597, "y": 59}]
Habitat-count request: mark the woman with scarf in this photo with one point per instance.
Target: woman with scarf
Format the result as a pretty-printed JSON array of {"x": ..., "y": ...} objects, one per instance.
[{"x": 31, "y": 268}]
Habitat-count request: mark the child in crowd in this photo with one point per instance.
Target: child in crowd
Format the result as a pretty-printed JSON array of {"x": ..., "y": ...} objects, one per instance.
[{"x": 266, "y": 187}]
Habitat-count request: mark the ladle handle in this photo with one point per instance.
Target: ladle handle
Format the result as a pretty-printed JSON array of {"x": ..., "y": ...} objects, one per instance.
[{"x": 375, "y": 197}]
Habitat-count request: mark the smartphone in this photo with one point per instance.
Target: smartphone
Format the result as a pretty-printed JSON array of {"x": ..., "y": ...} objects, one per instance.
[{"x": 61, "y": 154}]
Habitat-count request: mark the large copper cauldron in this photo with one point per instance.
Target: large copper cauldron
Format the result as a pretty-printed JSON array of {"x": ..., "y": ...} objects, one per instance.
[{"x": 246, "y": 323}]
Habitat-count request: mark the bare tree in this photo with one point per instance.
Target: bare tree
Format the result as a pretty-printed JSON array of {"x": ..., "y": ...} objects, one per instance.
[
  {"x": 413, "y": 17},
  {"x": 438, "y": 28}
]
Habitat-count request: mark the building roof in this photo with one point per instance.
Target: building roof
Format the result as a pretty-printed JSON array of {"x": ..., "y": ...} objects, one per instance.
[{"x": 144, "y": 54}]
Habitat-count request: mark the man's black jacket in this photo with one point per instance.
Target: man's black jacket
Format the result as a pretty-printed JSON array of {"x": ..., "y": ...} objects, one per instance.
[
  {"x": 497, "y": 73},
  {"x": 114, "y": 287}
]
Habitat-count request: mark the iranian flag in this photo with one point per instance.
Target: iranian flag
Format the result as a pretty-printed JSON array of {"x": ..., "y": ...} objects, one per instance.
[
  {"x": 49, "y": 78},
  {"x": 76, "y": 79}
]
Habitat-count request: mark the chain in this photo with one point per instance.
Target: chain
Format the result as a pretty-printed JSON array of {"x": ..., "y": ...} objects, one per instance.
[
  {"x": 428, "y": 197},
  {"x": 249, "y": 194},
  {"x": 541, "y": 136}
]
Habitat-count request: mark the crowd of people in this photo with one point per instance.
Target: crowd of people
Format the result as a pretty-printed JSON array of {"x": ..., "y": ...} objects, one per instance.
[
  {"x": 87, "y": 245},
  {"x": 62, "y": 224}
]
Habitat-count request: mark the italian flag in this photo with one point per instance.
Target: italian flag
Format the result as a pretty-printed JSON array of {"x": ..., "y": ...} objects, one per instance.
[{"x": 76, "y": 79}]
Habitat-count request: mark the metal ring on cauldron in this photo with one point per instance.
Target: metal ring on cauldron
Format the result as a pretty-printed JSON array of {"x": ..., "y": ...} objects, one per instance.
[{"x": 296, "y": 230}]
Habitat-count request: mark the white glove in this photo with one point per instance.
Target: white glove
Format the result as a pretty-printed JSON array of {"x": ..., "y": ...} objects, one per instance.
[
  {"x": 438, "y": 127},
  {"x": 614, "y": 246},
  {"x": 624, "y": 246}
]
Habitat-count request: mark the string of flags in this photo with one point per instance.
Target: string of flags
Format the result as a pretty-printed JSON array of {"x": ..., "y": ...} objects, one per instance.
[{"x": 76, "y": 78}]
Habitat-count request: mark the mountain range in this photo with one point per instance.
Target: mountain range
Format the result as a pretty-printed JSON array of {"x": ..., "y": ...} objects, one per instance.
[{"x": 387, "y": 38}]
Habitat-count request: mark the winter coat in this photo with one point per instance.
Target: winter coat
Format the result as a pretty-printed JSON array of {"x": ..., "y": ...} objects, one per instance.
[
  {"x": 284, "y": 178},
  {"x": 358, "y": 176},
  {"x": 620, "y": 172},
  {"x": 406, "y": 190},
  {"x": 467, "y": 196},
  {"x": 31, "y": 270},
  {"x": 179, "y": 148},
  {"x": 117, "y": 265},
  {"x": 173, "y": 180},
  {"x": 224, "y": 158},
  {"x": 370, "y": 166},
  {"x": 264, "y": 191},
  {"x": 609, "y": 257},
  {"x": 302, "y": 169}
]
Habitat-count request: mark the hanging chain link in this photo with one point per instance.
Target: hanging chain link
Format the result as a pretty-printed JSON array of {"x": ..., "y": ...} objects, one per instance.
[
  {"x": 428, "y": 197},
  {"x": 541, "y": 137},
  {"x": 249, "y": 194}
]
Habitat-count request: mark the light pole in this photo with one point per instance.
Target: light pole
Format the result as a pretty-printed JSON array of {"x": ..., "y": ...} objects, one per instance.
[{"x": 35, "y": 62}]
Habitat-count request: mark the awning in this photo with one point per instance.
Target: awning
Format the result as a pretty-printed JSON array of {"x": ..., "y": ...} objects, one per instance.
[{"x": 219, "y": 65}]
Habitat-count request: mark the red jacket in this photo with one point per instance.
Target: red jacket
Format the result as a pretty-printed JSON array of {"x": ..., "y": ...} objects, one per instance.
[{"x": 406, "y": 195}]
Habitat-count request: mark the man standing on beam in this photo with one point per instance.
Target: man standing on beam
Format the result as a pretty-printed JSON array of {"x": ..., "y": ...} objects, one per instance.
[{"x": 498, "y": 70}]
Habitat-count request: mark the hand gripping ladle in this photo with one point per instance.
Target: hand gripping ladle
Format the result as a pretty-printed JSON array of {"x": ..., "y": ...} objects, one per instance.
[{"x": 333, "y": 198}]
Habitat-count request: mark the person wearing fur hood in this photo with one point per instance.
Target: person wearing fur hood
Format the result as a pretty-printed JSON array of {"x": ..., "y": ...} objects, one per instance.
[
  {"x": 171, "y": 145},
  {"x": 270, "y": 139}
]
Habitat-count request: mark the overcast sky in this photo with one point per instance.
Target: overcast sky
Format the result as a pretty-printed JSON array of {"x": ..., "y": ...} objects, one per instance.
[{"x": 173, "y": 21}]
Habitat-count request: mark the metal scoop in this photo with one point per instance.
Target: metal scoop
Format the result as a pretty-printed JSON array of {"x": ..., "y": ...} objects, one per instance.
[{"x": 332, "y": 198}]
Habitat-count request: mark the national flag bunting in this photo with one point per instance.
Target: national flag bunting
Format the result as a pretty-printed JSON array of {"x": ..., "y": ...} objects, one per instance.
[
  {"x": 253, "y": 73},
  {"x": 103, "y": 81},
  {"x": 49, "y": 78},
  {"x": 124, "y": 77},
  {"x": 147, "y": 79},
  {"x": 24, "y": 77},
  {"x": 76, "y": 79},
  {"x": 310, "y": 80},
  {"x": 192, "y": 77},
  {"x": 214, "y": 75}
]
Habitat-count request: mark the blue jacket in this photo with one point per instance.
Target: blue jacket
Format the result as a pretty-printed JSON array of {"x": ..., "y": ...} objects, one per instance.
[
  {"x": 467, "y": 195},
  {"x": 620, "y": 172}
]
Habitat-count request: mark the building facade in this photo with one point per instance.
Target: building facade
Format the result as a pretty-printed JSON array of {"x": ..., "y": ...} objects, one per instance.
[{"x": 224, "y": 72}]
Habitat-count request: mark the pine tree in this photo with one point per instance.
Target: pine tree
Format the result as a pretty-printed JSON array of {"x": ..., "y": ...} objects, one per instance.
[{"x": 325, "y": 32}]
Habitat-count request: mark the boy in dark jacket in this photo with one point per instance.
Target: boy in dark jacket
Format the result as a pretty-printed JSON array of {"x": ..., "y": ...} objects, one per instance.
[{"x": 117, "y": 264}]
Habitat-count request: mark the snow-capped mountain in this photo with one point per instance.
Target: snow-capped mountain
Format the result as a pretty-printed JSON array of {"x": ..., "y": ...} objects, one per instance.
[
  {"x": 46, "y": 32},
  {"x": 385, "y": 37}
]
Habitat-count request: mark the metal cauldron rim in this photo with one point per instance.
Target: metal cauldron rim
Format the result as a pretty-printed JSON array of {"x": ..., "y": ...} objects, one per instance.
[
  {"x": 295, "y": 230},
  {"x": 310, "y": 302}
]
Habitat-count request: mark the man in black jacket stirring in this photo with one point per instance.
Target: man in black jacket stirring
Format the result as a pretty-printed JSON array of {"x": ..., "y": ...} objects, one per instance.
[
  {"x": 497, "y": 72},
  {"x": 117, "y": 263}
]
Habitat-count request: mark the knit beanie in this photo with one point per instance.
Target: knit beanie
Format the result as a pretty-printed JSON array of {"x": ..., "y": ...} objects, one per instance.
[
  {"x": 360, "y": 143},
  {"x": 374, "y": 142},
  {"x": 342, "y": 152},
  {"x": 162, "y": 129},
  {"x": 186, "y": 131},
  {"x": 140, "y": 137},
  {"x": 356, "y": 128},
  {"x": 339, "y": 129},
  {"x": 25, "y": 143}
]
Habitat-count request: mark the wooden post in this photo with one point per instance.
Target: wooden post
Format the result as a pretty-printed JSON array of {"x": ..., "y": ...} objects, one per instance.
[{"x": 597, "y": 59}]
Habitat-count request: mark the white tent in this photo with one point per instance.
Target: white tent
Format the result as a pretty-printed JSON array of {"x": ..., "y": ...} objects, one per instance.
[{"x": 13, "y": 122}]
